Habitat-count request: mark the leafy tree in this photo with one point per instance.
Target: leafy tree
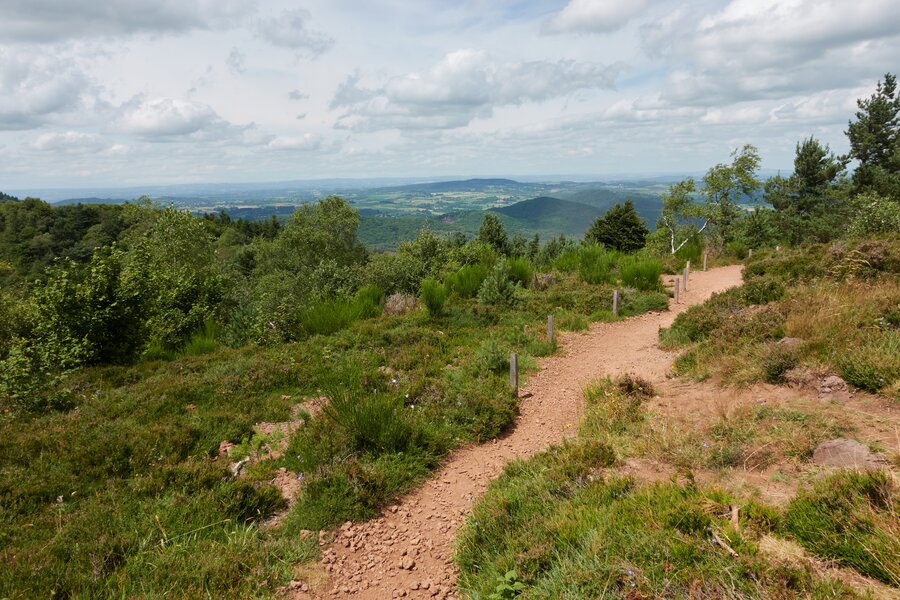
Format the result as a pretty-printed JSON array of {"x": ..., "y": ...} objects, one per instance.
[
  {"x": 675, "y": 227},
  {"x": 620, "y": 228},
  {"x": 493, "y": 233},
  {"x": 875, "y": 140},
  {"x": 170, "y": 265},
  {"x": 723, "y": 186}
]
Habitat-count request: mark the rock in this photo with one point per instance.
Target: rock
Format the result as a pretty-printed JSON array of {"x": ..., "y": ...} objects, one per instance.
[
  {"x": 225, "y": 448},
  {"x": 831, "y": 384},
  {"x": 237, "y": 467},
  {"x": 790, "y": 343},
  {"x": 842, "y": 452}
]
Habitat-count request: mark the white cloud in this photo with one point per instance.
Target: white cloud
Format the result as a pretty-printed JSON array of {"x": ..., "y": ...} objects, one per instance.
[
  {"x": 170, "y": 118},
  {"x": 36, "y": 86},
  {"x": 69, "y": 141},
  {"x": 759, "y": 49},
  {"x": 464, "y": 85},
  {"x": 48, "y": 20},
  {"x": 289, "y": 30},
  {"x": 305, "y": 143},
  {"x": 595, "y": 16}
]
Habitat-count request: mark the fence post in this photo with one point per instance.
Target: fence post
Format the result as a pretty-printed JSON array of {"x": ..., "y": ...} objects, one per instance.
[
  {"x": 677, "y": 285},
  {"x": 514, "y": 374},
  {"x": 550, "y": 328},
  {"x": 684, "y": 277},
  {"x": 705, "y": 256},
  {"x": 750, "y": 253},
  {"x": 615, "y": 303}
]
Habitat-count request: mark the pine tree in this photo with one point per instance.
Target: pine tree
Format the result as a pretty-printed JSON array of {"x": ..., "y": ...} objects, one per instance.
[
  {"x": 620, "y": 228},
  {"x": 875, "y": 140}
]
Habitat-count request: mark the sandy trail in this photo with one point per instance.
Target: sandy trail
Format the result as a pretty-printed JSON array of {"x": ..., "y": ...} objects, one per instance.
[{"x": 407, "y": 552}]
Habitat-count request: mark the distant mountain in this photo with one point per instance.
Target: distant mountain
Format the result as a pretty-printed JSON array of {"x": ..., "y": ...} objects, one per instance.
[
  {"x": 544, "y": 210},
  {"x": 70, "y": 201},
  {"x": 647, "y": 206},
  {"x": 464, "y": 185}
]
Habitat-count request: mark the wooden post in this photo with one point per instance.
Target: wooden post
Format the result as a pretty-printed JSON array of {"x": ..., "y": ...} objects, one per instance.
[
  {"x": 684, "y": 278},
  {"x": 514, "y": 374},
  {"x": 677, "y": 285},
  {"x": 750, "y": 253},
  {"x": 777, "y": 248},
  {"x": 615, "y": 303},
  {"x": 550, "y": 328},
  {"x": 705, "y": 256}
]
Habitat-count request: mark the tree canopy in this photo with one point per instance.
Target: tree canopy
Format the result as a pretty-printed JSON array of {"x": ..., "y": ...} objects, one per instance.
[{"x": 620, "y": 228}]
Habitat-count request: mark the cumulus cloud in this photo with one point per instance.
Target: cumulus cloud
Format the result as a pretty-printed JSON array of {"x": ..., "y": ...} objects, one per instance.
[
  {"x": 68, "y": 141},
  {"x": 764, "y": 49},
  {"x": 305, "y": 143},
  {"x": 49, "y": 20},
  {"x": 36, "y": 86},
  {"x": 595, "y": 16},
  {"x": 464, "y": 85},
  {"x": 170, "y": 119},
  {"x": 289, "y": 30}
]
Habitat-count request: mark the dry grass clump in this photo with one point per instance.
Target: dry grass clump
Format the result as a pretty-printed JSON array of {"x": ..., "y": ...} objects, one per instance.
[{"x": 400, "y": 304}]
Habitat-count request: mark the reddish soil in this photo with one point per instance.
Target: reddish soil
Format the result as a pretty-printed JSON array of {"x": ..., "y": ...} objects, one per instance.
[{"x": 407, "y": 551}]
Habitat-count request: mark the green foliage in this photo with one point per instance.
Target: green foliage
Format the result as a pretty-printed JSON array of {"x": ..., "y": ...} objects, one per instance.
[
  {"x": 875, "y": 140},
  {"x": 433, "y": 295},
  {"x": 492, "y": 356},
  {"x": 508, "y": 586},
  {"x": 333, "y": 314},
  {"x": 520, "y": 270},
  {"x": 595, "y": 264},
  {"x": 620, "y": 229},
  {"x": 850, "y": 518},
  {"x": 493, "y": 233},
  {"x": 203, "y": 341},
  {"x": 467, "y": 281},
  {"x": 724, "y": 185},
  {"x": 372, "y": 422},
  {"x": 873, "y": 364},
  {"x": 497, "y": 288},
  {"x": 776, "y": 363},
  {"x": 875, "y": 215},
  {"x": 641, "y": 273}
]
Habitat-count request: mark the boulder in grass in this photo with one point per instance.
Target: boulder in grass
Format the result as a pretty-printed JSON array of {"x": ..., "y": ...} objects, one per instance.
[{"x": 846, "y": 453}]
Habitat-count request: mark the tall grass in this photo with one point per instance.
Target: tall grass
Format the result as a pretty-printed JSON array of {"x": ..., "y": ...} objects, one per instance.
[
  {"x": 203, "y": 341},
  {"x": 641, "y": 273},
  {"x": 851, "y": 518},
  {"x": 331, "y": 315},
  {"x": 466, "y": 282},
  {"x": 433, "y": 295}
]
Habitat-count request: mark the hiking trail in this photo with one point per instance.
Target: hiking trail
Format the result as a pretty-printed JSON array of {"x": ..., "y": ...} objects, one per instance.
[{"x": 408, "y": 550}]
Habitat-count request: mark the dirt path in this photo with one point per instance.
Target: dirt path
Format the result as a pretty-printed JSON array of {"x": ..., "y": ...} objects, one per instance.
[{"x": 407, "y": 552}]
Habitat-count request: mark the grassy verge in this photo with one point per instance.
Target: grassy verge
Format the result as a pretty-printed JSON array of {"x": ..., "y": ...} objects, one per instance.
[
  {"x": 563, "y": 525},
  {"x": 839, "y": 304},
  {"x": 123, "y": 495}
]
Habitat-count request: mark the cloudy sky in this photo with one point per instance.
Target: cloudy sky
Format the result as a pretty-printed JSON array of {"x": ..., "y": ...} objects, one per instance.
[{"x": 131, "y": 92}]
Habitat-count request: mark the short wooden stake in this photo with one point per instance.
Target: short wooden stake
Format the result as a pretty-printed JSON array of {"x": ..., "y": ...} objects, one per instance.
[
  {"x": 684, "y": 278},
  {"x": 514, "y": 374},
  {"x": 777, "y": 248},
  {"x": 550, "y": 328},
  {"x": 705, "y": 256},
  {"x": 615, "y": 303},
  {"x": 750, "y": 253},
  {"x": 677, "y": 285}
]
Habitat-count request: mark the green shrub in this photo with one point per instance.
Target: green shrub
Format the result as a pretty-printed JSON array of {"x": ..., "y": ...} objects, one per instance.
[
  {"x": 433, "y": 295},
  {"x": 776, "y": 363},
  {"x": 874, "y": 364},
  {"x": 369, "y": 300},
  {"x": 497, "y": 287},
  {"x": 851, "y": 518},
  {"x": 328, "y": 316},
  {"x": 520, "y": 271},
  {"x": 641, "y": 273},
  {"x": 492, "y": 356},
  {"x": 467, "y": 281},
  {"x": 761, "y": 290},
  {"x": 596, "y": 263},
  {"x": 373, "y": 422}
]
